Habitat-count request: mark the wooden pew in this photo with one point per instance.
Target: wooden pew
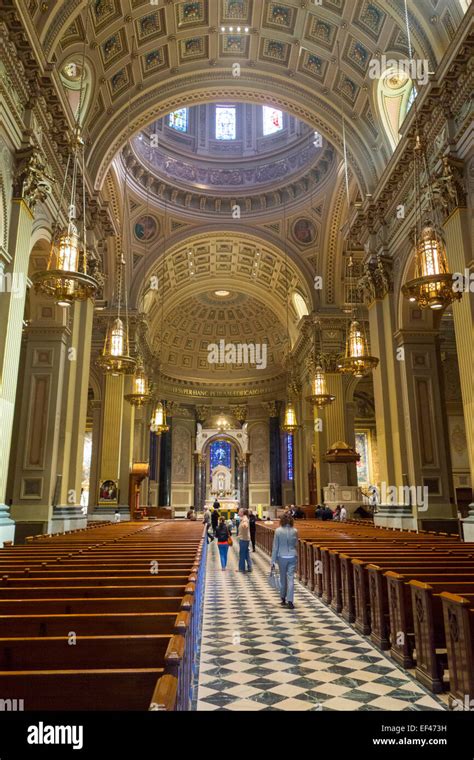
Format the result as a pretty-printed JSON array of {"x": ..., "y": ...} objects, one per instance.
[{"x": 458, "y": 614}]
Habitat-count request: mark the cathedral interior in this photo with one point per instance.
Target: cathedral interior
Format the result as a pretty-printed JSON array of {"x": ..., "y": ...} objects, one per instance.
[{"x": 236, "y": 266}]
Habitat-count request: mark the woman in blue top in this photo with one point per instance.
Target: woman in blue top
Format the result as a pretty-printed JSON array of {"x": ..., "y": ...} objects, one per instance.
[{"x": 285, "y": 543}]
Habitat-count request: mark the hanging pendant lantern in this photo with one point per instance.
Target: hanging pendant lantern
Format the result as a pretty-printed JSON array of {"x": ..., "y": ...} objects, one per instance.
[
  {"x": 140, "y": 389},
  {"x": 357, "y": 361},
  {"x": 290, "y": 423},
  {"x": 320, "y": 395},
  {"x": 158, "y": 422},
  {"x": 433, "y": 284},
  {"x": 115, "y": 358},
  {"x": 66, "y": 279}
]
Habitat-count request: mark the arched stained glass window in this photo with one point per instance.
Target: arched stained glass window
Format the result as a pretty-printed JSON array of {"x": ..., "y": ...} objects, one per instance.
[
  {"x": 289, "y": 457},
  {"x": 226, "y": 126},
  {"x": 220, "y": 453},
  {"x": 179, "y": 120},
  {"x": 272, "y": 120}
]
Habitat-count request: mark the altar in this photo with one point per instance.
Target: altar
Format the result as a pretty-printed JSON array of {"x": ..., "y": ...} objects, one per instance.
[{"x": 227, "y": 506}]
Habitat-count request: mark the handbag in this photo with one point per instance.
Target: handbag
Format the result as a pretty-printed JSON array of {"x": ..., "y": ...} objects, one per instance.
[
  {"x": 274, "y": 579},
  {"x": 230, "y": 541}
]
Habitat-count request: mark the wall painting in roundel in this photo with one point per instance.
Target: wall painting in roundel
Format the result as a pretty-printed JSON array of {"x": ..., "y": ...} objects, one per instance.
[
  {"x": 304, "y": 231},
  {"x": 145, "y": 228}
]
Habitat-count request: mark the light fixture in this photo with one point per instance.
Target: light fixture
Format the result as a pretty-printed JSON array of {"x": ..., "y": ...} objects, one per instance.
[
  {"x": 290, "y": 423},
  {"x": 319, "y": 392},
  {"x": 432, "y": 286},
  {"x": 140, "y": 394},
  {"x": 222, "y": 293},
  {"x": 66, "y": 278},
  {"x": 158, "y": 422},
  {"x": 222, "y": 423},
  {"x": 115, "y": 358},
  {"x": 357, "y": 360}
]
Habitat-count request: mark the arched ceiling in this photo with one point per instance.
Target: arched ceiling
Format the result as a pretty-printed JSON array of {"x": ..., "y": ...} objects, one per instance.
[
  {"x": 161, "y": 58},
  {"x": 207, "y": 320},
  {"x": 227, "y": 261}
]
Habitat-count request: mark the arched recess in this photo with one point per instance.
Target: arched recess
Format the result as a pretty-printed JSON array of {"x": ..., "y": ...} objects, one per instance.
[
  {"x": 229, "y": 436},
  {"x": 178, "y": 284},
  {"x": 76, "y": 73},
  {"x": 394, "y": 95}
]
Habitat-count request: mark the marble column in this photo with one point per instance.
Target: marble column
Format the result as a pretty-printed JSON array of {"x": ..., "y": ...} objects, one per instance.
[
  {"x": 30, "y": 184},
  {"x": 96, "y": 407},
  {"x": 428, "y": 452},
  {"x": 275, "y": 462},
  {"x": 13, "y": 264},
  {"x": 74, "y": 409},
  {"x": 38, "y": 473},
  {"x": 378, "y": 290},
  {"x": 339, "y": 426},
  {"x": 164, "y": 489},
  {"x": 197, "y": 481},
  {"x": 458, "y": 235},
  {"x": 111, "y": 436}
]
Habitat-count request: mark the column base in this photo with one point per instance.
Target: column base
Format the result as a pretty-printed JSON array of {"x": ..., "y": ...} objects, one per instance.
[
  {"x": 67, "y": 518},
  {"x": 395, "y": 516},
  {"x": 108, "y": 513},
  {"x": 7, "y": 525},
  {"x": 468, "y": 524}
]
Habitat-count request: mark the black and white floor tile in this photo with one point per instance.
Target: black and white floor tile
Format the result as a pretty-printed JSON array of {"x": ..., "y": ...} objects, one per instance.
[{"x": 257, "y": 655}]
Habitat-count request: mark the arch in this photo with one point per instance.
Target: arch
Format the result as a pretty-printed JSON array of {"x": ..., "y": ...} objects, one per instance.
[
  {"x": 229, "y": 436},
  {"x": 274, "y": 293},
  {"x": 255, "y": 87}
]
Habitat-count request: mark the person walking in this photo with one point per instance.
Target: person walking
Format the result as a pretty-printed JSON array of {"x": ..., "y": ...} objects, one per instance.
[
  {"x": 222, "y": 534},
  {"x": 253, "y": 527},
  {"x": 207, "y": 522},
  {"x": 284, "y": 553},
  {"x": 343, "y": 513},
  {"x": 244, "y": 542},
  {"x": 214, "y": 520}
]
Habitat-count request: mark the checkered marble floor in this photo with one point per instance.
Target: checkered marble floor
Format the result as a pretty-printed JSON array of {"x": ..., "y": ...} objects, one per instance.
[{"x": 257, "y": 655}]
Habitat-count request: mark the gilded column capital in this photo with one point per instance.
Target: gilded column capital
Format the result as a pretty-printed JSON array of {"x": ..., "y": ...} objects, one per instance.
[
  {"x": 377, "y": 279},
  {"x": 239, "y": 411},
  {"x": 31, "y": 183},
  {"x": 449, "y": 186},
  {"x": 202, "y": 412},
  {"x": 271, "y": 408}
]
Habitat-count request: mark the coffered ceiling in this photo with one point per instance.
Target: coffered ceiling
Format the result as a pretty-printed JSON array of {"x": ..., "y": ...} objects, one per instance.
[{"x": 159, "y": 56}]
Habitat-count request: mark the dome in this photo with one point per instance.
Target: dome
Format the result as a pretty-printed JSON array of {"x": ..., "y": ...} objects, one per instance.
[{"x": 204, "y": 157}]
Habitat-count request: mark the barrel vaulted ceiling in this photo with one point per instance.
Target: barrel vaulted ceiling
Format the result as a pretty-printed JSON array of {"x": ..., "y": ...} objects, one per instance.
[{"x": 170, "y": 54}]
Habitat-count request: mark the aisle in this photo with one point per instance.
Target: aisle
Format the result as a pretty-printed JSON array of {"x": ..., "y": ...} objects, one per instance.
[{"x": 256, "y": 655}]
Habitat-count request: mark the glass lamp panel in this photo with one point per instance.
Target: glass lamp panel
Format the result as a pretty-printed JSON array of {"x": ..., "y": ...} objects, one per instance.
[
  {"x": 68, "y": 254},
  {"x": 117, "y": 339}
]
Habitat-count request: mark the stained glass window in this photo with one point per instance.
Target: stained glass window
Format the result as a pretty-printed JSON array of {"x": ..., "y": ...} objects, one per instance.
[
  {"x": 289, "y": 456},
  {"x": 179, "y": 120},
  {"x": 225, "y": 123},
  {"x": 220, "y": 454},
  {"x": 272, "y": 120}
]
